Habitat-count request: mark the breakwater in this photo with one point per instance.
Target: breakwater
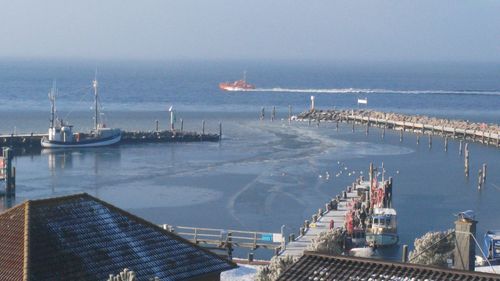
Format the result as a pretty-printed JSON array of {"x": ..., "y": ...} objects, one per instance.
[
  {"x": 479, "y": 132},
  {"x": 31, "y": 142}
]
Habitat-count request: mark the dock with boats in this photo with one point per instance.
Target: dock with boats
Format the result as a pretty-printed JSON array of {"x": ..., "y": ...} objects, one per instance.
[
  {"x": 484, "y": 133},
  {"x": 32, "y": 141},
  {"x": 343, "y": 212}
]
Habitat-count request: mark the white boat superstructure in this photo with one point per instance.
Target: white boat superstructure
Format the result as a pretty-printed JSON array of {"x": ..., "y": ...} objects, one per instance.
[{"x": 383, "y": 229}]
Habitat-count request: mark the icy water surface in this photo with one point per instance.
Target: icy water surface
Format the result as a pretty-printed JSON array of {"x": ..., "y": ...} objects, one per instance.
[{"x": 263, "y": 174}]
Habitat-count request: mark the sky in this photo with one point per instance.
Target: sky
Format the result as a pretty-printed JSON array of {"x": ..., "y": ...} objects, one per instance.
[{"x": 337, "y": 30}]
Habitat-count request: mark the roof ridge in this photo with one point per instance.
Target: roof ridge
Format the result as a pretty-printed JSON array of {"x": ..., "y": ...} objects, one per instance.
[
  {"x": 60, "y": 198},
  {"x": 398, "y": 263}
]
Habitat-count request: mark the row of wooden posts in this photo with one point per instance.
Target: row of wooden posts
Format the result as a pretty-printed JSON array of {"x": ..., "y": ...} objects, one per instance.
[
  {"x": 481, "y": 173},
  {"x": 181, "y": 129}
]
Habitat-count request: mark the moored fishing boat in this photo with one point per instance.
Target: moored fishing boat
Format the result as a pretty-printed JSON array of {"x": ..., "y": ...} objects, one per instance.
[
  {"x": 61, "y": 133},
  {"x": 382, "y": 230}
]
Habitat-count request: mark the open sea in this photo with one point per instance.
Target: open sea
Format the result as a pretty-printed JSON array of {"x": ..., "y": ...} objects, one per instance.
[{"x": 263, "y": 174}]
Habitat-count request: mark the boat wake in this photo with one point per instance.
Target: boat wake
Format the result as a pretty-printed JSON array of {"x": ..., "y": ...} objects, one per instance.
[{"x": 375, "y": 91}]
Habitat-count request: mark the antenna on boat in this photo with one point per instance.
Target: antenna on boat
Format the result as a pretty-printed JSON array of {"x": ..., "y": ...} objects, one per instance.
[
  {"x": 96, "y": 109},
  {"x": 52, "y": 98}
]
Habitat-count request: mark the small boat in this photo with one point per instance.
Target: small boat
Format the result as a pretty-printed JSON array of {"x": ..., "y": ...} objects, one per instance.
[
  {"x": 61, "y": 134},
  {"x": 383, "y": 229},
  {"x": 236, "y": 86},
  {"x": 492, "y": 246}
]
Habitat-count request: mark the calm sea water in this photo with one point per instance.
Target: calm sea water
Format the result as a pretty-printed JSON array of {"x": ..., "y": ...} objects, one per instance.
[{"x": 263, "y": 174}]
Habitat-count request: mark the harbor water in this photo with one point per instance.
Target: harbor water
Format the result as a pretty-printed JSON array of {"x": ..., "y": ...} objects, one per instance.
[{"x": 263, "y": 174}]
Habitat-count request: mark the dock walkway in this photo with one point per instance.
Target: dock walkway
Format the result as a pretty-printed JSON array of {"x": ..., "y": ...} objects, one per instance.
[{"x": 302, "y": 242}]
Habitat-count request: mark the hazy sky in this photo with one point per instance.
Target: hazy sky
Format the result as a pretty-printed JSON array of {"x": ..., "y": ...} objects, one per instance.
[{"x": 421, "y": 30}]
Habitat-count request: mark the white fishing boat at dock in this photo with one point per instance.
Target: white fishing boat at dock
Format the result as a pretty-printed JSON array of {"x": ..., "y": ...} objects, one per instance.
[
  {"x": 61, "y": 133},
  {"x": 382, "y": 230}
]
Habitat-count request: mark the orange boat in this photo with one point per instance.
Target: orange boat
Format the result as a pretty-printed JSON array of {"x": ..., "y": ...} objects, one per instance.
[{"x": 240, "y": 85}]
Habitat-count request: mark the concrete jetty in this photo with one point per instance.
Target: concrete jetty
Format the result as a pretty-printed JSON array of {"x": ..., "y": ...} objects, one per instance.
[{"x": 480, "y": 132}]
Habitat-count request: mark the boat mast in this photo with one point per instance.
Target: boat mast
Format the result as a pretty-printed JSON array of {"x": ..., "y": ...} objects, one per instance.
[
  {"x": 245, "y": 76},
  {"x": 52, "y": 98},
  {"x": 96, "y": 109}
]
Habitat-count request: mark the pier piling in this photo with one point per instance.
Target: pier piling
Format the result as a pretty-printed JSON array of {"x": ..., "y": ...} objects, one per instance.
[
  {"x": 9, "y": 172},
  {"x": 430, "y": 141},
  {"x": 446, "y": 143},
  {"x": 404, "y": 256},
  {"x": 466, "y": 163},
  {"x": 273, "y": 114},
  {"x": 479, "y": 179},
  {"x": 289, "y": 114},
  {"x": 220, "y": 131},
  {"x": 401, "y": 135},
  {"x": 460, "y": 148},
  {"x": 418, "y": 139},
  {"x": 484, "y": 172}
]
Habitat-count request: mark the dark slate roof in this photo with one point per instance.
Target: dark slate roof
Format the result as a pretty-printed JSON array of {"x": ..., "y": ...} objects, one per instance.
[
  {"x": 80, "y": 237},
  {"x": 314, "y": 266}
]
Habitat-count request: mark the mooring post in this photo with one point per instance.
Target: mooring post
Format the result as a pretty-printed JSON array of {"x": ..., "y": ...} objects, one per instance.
[
  {"x": 418, "y": 138},
  {"x": 383, "y": 132},
  {"x": 466, "y": 163},
  {"x": 446, "y": 143},
  {"x": 273, "y": 115},
  {"x": 182, "y": 124},
  {"x": 353, "y": 122},
  {"x": 220, "y": 131},
  {"x": 368, "y": 126},
  {"x": 479, "y": 179},
  {"x": 430, "y": 141},
  {"x": 312, "y": 104},
  {"x": 10, "y": 172},
  {"x": 262, "y": 113},
  {"x": 337, "y": 125},
  {"x": 157, "y": 127},
  {"x": 404, "y": 256},
  {"x": 401, "y": 135},
  {"x": 484, "y": 172},
  {"x": 203, "y": 127},
  {"x": 289, "y": 114}
]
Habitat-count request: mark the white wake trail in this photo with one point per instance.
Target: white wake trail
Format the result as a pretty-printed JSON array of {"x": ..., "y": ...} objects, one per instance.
[{"x": 374, "y": 91}]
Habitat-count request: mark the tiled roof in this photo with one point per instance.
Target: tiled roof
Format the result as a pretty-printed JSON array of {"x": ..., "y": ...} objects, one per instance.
[
  {"x": 314, "y": 266},
  {"x": 80, "y": 237}
]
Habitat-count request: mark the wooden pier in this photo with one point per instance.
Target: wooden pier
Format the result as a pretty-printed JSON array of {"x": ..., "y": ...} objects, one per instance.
[
  {"x": 297, "y": 246},
  {"x": 479, "y": 132},
  {"x": 32, "y": 141}
]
